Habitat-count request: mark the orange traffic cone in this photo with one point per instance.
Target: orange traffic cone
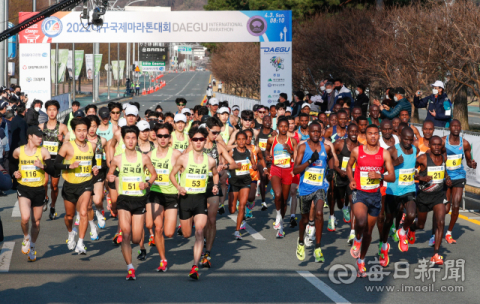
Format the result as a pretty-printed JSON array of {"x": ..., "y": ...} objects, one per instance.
[{"x": 144, "y": 92}]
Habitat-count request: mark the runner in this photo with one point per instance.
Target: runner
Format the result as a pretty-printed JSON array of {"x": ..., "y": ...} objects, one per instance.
[
  {"x": 195, "y": 165},
  {"x": 53, "y": 134},
  {"x": 234, "y": 119},
  {"x": 260, "y": 113},
  {"x": 395, "y": 122},
  {"x": 280, "y": 151},
  {"x": 169, "y": 118},
  {"x": 430, "y": 195},
  {"x": 226, "y": 132},
  {"x": 280, "y": 109},
  {"x": 405, "y": 117},
  {"x": 254, "y": 174},
  {"x": 400, "y": 194},
  {"x": 356, "y": 113},
  {"x": 338, "y": 131},
  {"x": 106, "y": 129},
  {"x": 362, "y": 123},
  {"x": 29, "y": 169},
  {"x": 76, "y": 159},
  {"x": 163, "y": 198},
  {"x": 179, "y": 139},
  {"x": 374, "y": 115},
  {"x": 303, "y": 130},
  {"x": 311, "y": 162},
  {"x": 265, "y": 133},
  {"x": 115, "y": 109},
  {"x": 332, "y": 120},
  {"x": 181, "y": 104},
  {"x": 240, "y": 180},
  {"x": 423, "y": 143},
  {"x": 323, "y": 118},
  {"x": 371, "y": 161},
  {"x": 342, "y": 190},
  {"x": 132, "y": 188},
  {"x": 457, "y": 148}
]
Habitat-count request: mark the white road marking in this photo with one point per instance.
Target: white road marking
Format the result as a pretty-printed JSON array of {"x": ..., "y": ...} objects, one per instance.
[
  {"x": 16, "y": 210},
  {"x": 249, "y": 229},
  {"x": 324, "y": 288},
  {"x": 6, "y": 256}
]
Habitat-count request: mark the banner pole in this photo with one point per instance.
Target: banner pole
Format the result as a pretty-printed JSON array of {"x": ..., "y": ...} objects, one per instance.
[
  {"x": 108, "y": 73},
  {"x": 118, "y": 69},
  {"x": 73, "y": 68}
]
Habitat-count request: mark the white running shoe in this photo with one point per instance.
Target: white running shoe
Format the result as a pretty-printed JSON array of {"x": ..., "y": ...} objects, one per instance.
[
  {"x": 81, "y": 249},
  {"x": 77, "y": 220},
  {"x": 100, "y": 220},
  {"x": 431, "y": 242},
  {"x": 237, "y": 235},
  {"x": 242, "y": 226},
  {"x": 280, "y": 233},
  {"x": 278, "y": 225},
  {"x": 26, "y": 245},
  {"x": 32, "y": 255},
  {"x": 307, "y": 241},
  {"x": 71, "y": 243},
  {"x": 94, "y": 234},
  {"x": 311, "y": 232}
]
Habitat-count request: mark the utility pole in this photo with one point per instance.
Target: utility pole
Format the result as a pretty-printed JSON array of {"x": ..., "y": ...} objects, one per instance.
[
  {"x": 3, "y": 45},
  {"x": 74, "y": 68},
  {"x": 108, "y": 73},
  {"x": 118, "y": 69},
  {"x": 6, "y": 43},
  {"x": 94, "y": 82}
]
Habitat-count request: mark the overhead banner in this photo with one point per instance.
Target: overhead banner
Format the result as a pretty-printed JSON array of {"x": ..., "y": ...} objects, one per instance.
[
  {"x": 276, "y": 71},
  {"x": 89, "y": 65},
  {"x": 177, "y": 26},
  {"x": 35, "y": 72}
]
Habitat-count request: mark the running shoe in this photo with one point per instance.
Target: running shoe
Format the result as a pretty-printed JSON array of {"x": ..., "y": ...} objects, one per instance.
[
  {"x": 100, "y": 219},
  {"x": 277, "y": 226},
  {"x": 142, "y": 255},
  {"x": 264, "y": 206},
  {"x": 384, "y": 259},
  {"x": 318, "y": 255},
  {"x": 120, "y": 237},
  {"x": 32, "y": 255},
  {"x": 179, "y": 230},
  {"x": 248, "y": 213},
  {"x": 346, "y": 215},
  {"x": 355, "y": 250},
  {"x": 45, "y": 204},
  {"x": 362, "y": 271},
  {"x": 380, "y": 244},
  {"x": 115, "y": 238},
  {"x": 251, "y": 205},
  {"x": 81, "y": 249},
  {"x": 331, "y": 224},
  {"x": 431, "y": 242},
  {"x": 395, "y": 236},
  {"x": 280, "y": 234},
  {"x": 221, "y": 209},
  {"x": 411, "y": 237},
  {"x": 131, "y": 275},
  {"x": 450, "y": 239},
  {"x": 194, "y": 273},
  {"x": 311, "y": 232},
  {"x": 53, "y": 214},
  {"x": 437, "y": 259},
  {"x": 94, "y": 234},
  {"x": 26, "y": 245},
  {"x": 350, "y": 239},
  {"x": 77, "y": 220},
  {"x": 243, "y": 224},
  {"x": 237, "y": 235},
  {"x": 71, "y": 240},
  {"x": 206, "y": 261},
  {"x": 392, "y": 231},
  {"x": 151, "y": 241},
  {"x": 403, "y": 242},
  {"x": 325, "y": 205},
  {"x": 403, "y": 219},
  {"x": 293, "y": 222},
  {"x": 300, "y": 250},
  {"x": 272, "y": 193},
  {"x": 307, "y": 241},
  {"x": 163, "y": 266}
]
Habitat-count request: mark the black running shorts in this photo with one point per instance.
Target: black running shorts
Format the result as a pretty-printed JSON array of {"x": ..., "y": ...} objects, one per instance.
[
  {"x": 36, "y": 195},
  {"x": 191, "y": 205},
  {"x": 72, "y": 192}
]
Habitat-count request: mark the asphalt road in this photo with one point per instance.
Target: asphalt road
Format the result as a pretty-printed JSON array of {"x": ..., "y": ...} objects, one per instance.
[{"x": 258, "y": 269}]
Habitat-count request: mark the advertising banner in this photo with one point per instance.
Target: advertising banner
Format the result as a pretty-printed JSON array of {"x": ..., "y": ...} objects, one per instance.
[
  {"x": 11, "y": 69},
  {"x": 70, "y": 64},
  {"x": 275, "y": 71},
  {"x": 153, "y": 52},
  {"x": 153, "y": 66},
  {"x": 35, "y": 71},
  {"x": 78, "y": 63},
  {"x": 177, "y": 26},
  {"x": 115, "y": 69},
  {"x": 98, "y": 63},
  {"x": 89, "y": 65}
]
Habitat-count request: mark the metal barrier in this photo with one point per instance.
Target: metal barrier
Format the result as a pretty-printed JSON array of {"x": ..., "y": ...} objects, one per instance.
[{"x": 242, "y": 102}]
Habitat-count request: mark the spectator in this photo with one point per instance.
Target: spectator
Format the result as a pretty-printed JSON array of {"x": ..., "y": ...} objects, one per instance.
[
  {"x": 19, "y": 135},
  {"x": 341, "y": 91},
  {"x": 5, "y": 184},
  {"x": 283, "y": 98},
  {"x": 33, "y": 113},
  {"x": 362, "y": 99},
  {"x": 69, "y": 117},
  {"x": 327, "y": 100},
  {"x": 439, "y": 107},
  {"x": 4, "y": 143},
  {"x": 402, "y": 104},
  {"x": 297, "y": 102}
]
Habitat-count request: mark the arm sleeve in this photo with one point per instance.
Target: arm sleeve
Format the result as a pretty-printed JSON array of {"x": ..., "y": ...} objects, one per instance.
[
  {"x": 65, "y": 120},
  {"x": 49, "y": 167},
  {"x": 13, "y": 166},
  {"x": 59, "y": 163},
  {"x": 420, "y": 103}
]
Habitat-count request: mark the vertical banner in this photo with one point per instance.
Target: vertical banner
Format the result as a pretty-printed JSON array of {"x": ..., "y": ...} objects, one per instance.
[
  {"x": 275, "y": 71},
  {"x": 62, "y": 64},
  {"x": 35, "y": 71},
  {"x": 78, "y": 63},
  {"x": 122, "y": 68},
  {"x": 115, "y": 69},
  {"x": 70, "y": 65},
  {"x": 89, "y": 65},
  {"x": 98, "y": 62},
  {"x": 11, "y": 69}
]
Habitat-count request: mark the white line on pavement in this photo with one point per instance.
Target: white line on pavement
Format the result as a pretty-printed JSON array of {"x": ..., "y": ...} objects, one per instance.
[
  {"x": 6, "y": 256},
  {"x": 249, "y": 229},
  {"x": 324, "y": 288},
  {"x": 16, "y": 210}
]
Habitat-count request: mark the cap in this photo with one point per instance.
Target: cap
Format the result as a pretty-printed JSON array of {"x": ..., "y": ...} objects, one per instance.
[
  {"x": 306, "y": 104},
  {"x": 79, "y": 113},
  {"x": 104, "y": 113},
  {"x": 438, "y": 83},
  {"x": 186, "y": 110},
  {"x": 399, "y": 90},
  {"x": 204, "y": 118},
  {"x": 255, "y": 107},
  {"x": 180, "y": 117},
  {"x": 223, "y": 110},
  {"x": 213, "y": 101},
  {"x": 143, "y": 125},
  {"x": 288, "y": 109},
  {"x": 34, "y": 130},
  {"x": 152, "y": 124},
  {"x": 3, "y": 105},
  {"x": 315, "y": 109},
  {"x": 131, "y": 110},
  {"x": 125, "y": 105},
  {"x": 235, "y": 107},
  {"x": 122, "y": 122}
]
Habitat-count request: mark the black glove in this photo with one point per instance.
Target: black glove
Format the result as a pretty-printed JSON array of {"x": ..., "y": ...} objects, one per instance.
[
  {"x": 329, "y": 175},
  {"x": 314, "y": 157}
]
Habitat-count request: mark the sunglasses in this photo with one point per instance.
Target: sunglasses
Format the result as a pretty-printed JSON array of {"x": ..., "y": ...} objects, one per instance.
[
  {"x": 249, "y": 119},
  {"x": 200, "y": 139},
  {"x": 163, "y": 135},
  {"x": 187, "y": 114},
  {"x": 215, "y": 132},
  {"x": 181, "y": 105},
  {"x": 146, "y": 130},
  {"x": 262, "y": 112},
  {"x": 116, "y": 113}
]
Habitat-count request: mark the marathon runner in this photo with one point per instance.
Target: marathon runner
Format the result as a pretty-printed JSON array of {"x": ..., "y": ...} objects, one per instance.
[
  {"x": 374, "y": 115},
  {"x": 303, "y": 130},
  {"x": 226, "y": 132},
  {"x": 195, "y": 165},
  {"x": 132, "y": 188},
  {"x": 280, "y": 109},
  {"x": 356, "y": 113},
  {"x": 338, "y": 131},
  {"x": 107, "y": 128},
  {"x": 265, "y": 133},
  {"x": 362, "y": 123},
  {"x": 405, "y": 117},
  {"x": 254, "y": 174},
  {"x": 371, "y": 162},
  {"x": 423, "y": 143},
  {"x": 53, "y": 134},
  {"x": 179, "y": 137},
  {"x": 395, "y": 122}
]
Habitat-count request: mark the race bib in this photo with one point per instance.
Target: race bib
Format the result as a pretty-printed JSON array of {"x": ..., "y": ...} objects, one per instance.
[
  {"x": 84, "y": 169},
  {"x": 30, "y": 173},
  {"x": 437, "y": 174},
  {"x": 98, "y": 159},
  {"x": 367, "y": 183},
  {"x": 163, "y": 177},
  {"x": 406, "y": 177},
  {"x": 282, "y": 160},
  {"x": 262, "y": 143},
  {"x": 454, "y": 162},
  {"x": 51, "y": 146},
  {"x": 131, "y": 185},
  {"x": 196, "y": 183},
  {"x": 313, "y": 176},
  {"x": 245, "y": 169},
  {"x": 345, "y": 162}
]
